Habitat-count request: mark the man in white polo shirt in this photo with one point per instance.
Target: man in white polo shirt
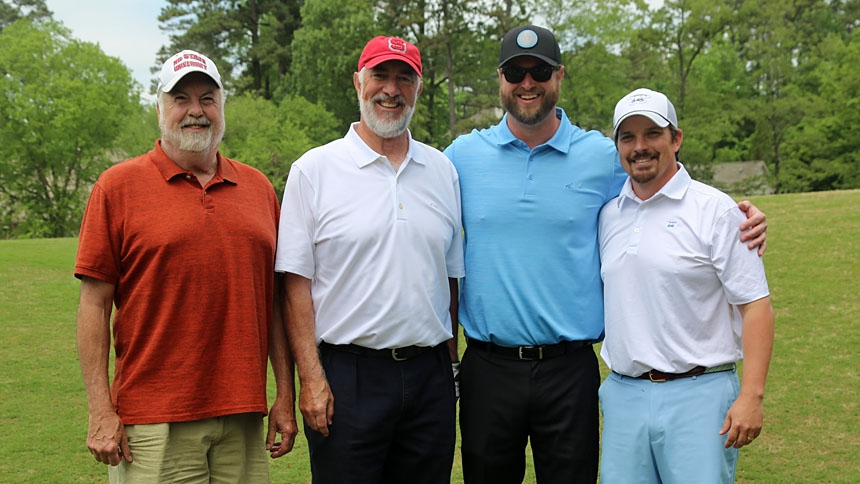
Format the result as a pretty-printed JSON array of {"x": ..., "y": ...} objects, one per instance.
[
  {"x": 684, "y": 300},
  {"x": 370, "y": 240}
]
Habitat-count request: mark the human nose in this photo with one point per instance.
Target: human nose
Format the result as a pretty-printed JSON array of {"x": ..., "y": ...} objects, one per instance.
[
  {"x": 391, "y": 87},
  {"x": 195, "y": 108},
  {"x": 639, "y": 144}
]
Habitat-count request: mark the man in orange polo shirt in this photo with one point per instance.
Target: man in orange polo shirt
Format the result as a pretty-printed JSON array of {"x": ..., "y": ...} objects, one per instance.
[{"x": 181, "y": 241}]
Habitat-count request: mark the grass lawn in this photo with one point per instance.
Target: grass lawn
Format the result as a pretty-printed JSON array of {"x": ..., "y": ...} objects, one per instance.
[{"x": 812, "y": 418}]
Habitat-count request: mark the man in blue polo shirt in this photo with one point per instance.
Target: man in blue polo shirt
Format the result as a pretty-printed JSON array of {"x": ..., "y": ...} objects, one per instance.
[{"x": 532, "y": 302}]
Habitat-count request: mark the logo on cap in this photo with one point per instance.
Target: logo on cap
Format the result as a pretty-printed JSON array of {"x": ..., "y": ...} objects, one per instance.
[
  {"x": 639, "y": 98},
  {"x": 527, "y": 39},
  {"x": 397, "y": 45}
]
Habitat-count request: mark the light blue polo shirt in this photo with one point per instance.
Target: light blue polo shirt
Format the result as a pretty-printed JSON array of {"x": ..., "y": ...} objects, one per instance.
[{"x": 530, "y": 221}]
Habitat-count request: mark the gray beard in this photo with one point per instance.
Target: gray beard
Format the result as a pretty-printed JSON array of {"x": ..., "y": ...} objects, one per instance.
[{"x": 382, "y": 127}]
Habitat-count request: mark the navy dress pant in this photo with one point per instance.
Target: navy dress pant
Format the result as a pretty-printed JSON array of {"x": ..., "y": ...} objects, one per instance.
[{"x": 394, "y": 421}]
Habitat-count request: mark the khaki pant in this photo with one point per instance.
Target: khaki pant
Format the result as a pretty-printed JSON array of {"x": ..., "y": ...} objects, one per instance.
[{"x": 229, "y": 449}]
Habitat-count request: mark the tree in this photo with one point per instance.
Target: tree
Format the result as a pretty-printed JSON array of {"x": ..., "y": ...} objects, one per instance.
[
  {"x": 34, "y": 10},
  {"x": 684, "y": 29},
  {"x": 325, "y": 54},
  {"x": 62, "y": 104},
  {"x": 251, "y": 36},
  {"x": 270, "y": 137}
]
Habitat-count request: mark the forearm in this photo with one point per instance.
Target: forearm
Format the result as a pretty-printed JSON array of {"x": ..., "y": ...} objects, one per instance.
[
  {"x": 454, "y": 308},
  {"x": 93, "y": 341},
  {"x": 300, "y": 326},
  {"x": 758, "y": 331},
  {"x": 279, "y": 352}
]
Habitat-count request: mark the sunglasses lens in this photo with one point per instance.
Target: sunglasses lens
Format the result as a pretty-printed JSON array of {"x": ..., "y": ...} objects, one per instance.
[
  {"x": 541, "y": 73},
  {"x": 514, "y": 74}
]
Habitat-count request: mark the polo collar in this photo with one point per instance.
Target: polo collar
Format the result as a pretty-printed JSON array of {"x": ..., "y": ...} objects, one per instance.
[
  {"x": 560, "y": 141},
  {"x": 363, "y": 155},
  {"x": 169, "y": 169},
  {"x": 674, "y": 189}
]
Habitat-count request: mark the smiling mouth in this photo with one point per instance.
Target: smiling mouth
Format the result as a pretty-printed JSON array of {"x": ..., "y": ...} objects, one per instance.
[{"x": 642, "y": 158}]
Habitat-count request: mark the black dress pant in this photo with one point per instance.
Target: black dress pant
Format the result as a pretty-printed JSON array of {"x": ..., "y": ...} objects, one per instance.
[
  {"x": 552, "y": 402},
  {"x": 394, "y": 421}
]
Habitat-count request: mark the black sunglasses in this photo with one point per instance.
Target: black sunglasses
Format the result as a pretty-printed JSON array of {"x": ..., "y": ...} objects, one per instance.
[{"x": 540, "y": 73}]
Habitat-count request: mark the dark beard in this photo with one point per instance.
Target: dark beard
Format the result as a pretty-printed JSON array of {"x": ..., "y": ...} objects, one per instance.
[{"x": 547, "y": 107}]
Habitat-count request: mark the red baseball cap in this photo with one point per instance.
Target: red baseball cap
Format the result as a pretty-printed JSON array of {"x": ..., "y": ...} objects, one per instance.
[{"x": 381, "y": 49}]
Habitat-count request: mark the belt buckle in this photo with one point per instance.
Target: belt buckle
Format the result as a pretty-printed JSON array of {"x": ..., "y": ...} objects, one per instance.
[
  {"x": 394, "y": 355},
  {"x": 655, "y": 380},
  {"x": 520, "y": 352}
]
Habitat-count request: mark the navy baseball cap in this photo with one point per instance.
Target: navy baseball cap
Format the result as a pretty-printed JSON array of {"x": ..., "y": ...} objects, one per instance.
[{"x": 530, "y": 40}]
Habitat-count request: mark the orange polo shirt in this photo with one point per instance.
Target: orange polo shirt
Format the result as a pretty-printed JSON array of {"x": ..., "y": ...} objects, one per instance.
[{"x": 193, "y": 269}]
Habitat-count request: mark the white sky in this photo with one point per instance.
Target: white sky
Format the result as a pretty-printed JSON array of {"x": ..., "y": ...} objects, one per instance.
[{"x": 127, "y": 29}]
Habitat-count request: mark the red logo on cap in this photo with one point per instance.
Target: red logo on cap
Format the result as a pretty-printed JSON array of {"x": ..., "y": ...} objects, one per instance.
[{"x": 397, "y": 45}]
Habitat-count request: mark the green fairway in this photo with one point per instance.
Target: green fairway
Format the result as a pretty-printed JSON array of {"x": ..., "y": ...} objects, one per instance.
[{"x": 812, "y": 417}]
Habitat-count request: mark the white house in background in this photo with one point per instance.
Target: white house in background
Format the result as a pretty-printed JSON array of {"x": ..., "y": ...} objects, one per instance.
[{"x": 743, "y": 177}]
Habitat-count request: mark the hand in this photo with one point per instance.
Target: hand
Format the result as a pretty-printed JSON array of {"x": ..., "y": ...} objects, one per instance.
[
  {"x": 316, "y": 402},
  {"x": 106, "y": 439},
  {"x": 743, "y": 422},
  {"x": 282, "y": 420},
  {"x": 754, "y": 228},
  {"x": 455, "y": 368}
]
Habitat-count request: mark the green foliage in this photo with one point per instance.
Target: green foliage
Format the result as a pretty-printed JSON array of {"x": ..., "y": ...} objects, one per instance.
[
  {"x": 12, "y": 10},
  {"x": 325, "y": 54},
  {"x": 270, "y": 137},
  {"x": 249, "y": 36},
  {"x": 812, "y": 385},
  {"x": 759, "y": 79},
  {"x": 62, "y": 105},
  {"x": 138, "y": 133}
]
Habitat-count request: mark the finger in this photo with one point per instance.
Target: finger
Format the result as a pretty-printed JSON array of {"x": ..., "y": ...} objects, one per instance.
[
  {"x": 270, "y": 436},
  {"x": 276, "y": 450},
  {"x": 322, "y": 425},
  {"x": 125, "y": 449},
  {"x": 113, "y": 457},
  {"x": 289, "y": 442},
  {"x": 762, "y": 248}
]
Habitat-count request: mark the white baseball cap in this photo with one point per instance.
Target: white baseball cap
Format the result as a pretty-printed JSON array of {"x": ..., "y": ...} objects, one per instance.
[
  {"x": 645, "y": 102},
  {"x": 184, "y": 63}
]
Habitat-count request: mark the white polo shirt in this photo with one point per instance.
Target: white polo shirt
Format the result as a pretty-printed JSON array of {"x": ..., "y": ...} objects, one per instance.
[
  {"x": 674, "y": 269},
  {"x": 378, "y": 245}
]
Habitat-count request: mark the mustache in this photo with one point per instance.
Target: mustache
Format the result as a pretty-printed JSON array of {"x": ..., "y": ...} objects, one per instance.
[
  {"x": 192, "y": 121},
  {"x": 642, "y": 153},
  {"x": 400, "y": 100}
]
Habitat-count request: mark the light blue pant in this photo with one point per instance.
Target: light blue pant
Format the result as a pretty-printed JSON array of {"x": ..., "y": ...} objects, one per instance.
[{"x": 667, "y": 432}]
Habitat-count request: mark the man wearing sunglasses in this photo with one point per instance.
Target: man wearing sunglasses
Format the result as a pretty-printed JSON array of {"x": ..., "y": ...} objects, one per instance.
[{"x": 531, "y": 303}]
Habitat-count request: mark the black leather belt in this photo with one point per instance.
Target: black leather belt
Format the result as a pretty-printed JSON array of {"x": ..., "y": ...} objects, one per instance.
[
  {"x": 396, "y": 354},
  {"x": 528, "y": 353}
]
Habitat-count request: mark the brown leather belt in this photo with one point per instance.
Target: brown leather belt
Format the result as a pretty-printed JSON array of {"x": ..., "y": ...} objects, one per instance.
[{"x": 659, "y": 376}]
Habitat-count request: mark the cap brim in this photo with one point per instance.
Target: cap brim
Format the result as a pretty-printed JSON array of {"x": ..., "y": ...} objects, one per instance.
[
  {"x": 658, "y": 119},
  {"x": 170, "y": 85},
  {"x": 537, "y": 56},
  {"x": 387, "y": 57}
]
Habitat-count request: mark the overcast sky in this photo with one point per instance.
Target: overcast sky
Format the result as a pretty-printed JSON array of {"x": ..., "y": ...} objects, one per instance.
[{"x": 127, "y": 29}]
